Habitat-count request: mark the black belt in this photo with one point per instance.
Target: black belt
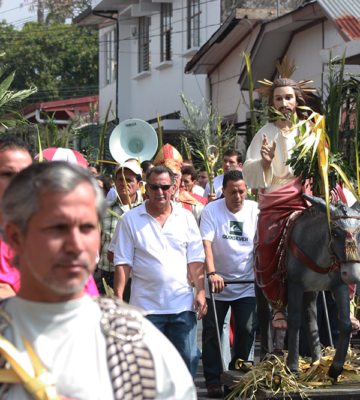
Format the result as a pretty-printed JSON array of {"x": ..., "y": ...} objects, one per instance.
[{"x": 107, "y": 273}]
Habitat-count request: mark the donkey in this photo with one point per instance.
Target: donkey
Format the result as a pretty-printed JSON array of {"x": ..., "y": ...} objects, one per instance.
[{"x": 340, "y": 264}]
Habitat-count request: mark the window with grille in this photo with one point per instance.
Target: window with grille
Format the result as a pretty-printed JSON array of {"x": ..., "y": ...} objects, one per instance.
[
  {"x": 144, "y": 44},
  {"x": 193, "y": 23},
  {"x": 166, "y": 28},
  {"x": 111, "y": 49}
]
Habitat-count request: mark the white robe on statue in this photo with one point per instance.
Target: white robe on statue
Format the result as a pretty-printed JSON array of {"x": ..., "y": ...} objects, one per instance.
[{"x": 279, "y": 174}]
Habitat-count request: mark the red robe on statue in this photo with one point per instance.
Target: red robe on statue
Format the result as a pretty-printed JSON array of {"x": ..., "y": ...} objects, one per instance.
[{"x": 275, "y": 209}]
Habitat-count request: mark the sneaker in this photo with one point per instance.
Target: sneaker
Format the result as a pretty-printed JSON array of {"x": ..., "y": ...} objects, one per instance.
[{"x": 215, "y": 391}]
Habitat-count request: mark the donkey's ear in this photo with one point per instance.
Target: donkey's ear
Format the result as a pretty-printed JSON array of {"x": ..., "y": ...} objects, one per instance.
[
  {"x": 319, "y": 202},
  {"x": 356, "y": 206}
]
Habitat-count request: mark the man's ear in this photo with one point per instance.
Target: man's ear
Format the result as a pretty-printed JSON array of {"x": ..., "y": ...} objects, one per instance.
[
  {"x": 14, "y": 237},
  {"x": 140, "y": 184},
  {"x": 195, "y": 182},
  {"x": 240, "y": 164}
]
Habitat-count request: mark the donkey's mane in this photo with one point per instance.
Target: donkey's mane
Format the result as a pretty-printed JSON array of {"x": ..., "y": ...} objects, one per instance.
[{"x": 312, "y": 211}]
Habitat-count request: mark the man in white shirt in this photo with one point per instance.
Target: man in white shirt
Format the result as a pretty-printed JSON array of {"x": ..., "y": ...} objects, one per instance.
[
  {"x": 231, "y": 158},
  {"x": 159, "y": 242},
  {"x": 227, "y": 228},
  {"x": 51, "y": 213},
  {"x": 117, "y": 207}
]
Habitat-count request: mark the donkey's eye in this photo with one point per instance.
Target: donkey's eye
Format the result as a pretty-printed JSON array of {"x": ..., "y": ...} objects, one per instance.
[{"x": 333, "y": 234}]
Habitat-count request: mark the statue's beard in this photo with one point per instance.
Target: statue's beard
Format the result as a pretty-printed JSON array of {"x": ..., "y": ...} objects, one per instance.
[{"x": 286, "y": 112}]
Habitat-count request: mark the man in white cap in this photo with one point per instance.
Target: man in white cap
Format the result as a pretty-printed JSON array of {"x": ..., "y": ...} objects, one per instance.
[{"x": 132, "y": 173}]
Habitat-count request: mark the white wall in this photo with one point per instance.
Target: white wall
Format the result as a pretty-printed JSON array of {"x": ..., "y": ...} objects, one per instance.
[
  {"x": 225, "y": 89},
  {"x": 159, "y": 90},
  {"x": 305, "y": 48},
  {"x": 107, "y": 93}
]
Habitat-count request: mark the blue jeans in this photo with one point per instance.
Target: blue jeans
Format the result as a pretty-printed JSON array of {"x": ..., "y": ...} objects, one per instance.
[
  {"x": 245, "y": 324},
  {"x": 181, "y": 330}
]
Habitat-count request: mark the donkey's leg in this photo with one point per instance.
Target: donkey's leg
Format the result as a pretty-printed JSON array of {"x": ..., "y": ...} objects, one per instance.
[
  {"x": 341, "y": 295},
  {"x": 295, "y": 296},
  {"x": 309, "y": 312},
  {"x": 263, "y": 313}
]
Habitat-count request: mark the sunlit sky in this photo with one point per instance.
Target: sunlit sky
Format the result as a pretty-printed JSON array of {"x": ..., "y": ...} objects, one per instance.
[{"x": 13, "y": 13}]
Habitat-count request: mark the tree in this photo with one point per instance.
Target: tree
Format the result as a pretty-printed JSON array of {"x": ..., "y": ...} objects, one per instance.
[
  {"x": 61, "y": 60},
  {"x": 56, "y": 10}
]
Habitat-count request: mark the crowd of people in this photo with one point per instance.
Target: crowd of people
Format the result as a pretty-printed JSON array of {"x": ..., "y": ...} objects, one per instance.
[{"x": 161, "y": 239}]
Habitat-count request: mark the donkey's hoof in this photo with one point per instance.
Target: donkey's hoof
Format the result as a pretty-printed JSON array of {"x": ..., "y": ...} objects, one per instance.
[{"x": 334, "y": 372}]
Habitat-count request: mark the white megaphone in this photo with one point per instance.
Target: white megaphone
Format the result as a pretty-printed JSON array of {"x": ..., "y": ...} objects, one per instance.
[{"x": 133, "y": 138}]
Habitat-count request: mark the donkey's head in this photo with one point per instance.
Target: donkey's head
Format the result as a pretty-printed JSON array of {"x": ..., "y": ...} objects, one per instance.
[{"x": 345, "y": 237}]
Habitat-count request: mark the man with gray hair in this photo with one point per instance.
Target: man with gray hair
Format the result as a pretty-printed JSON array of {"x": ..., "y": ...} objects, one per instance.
[
  {"x": 94, "y": 348},
  {"x": 159, "y": 242}
]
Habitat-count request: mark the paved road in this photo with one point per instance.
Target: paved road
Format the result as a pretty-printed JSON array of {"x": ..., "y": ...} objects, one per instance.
[{"x": 199, "y": 379}]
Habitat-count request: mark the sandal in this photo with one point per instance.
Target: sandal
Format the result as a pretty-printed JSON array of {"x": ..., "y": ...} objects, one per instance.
[{"x": 285, "y": 326}]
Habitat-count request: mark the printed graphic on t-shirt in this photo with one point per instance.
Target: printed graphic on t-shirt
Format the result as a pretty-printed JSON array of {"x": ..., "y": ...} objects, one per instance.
[
  {"x": 236, "y": 228},
  {"x": 235, "y": 232}
]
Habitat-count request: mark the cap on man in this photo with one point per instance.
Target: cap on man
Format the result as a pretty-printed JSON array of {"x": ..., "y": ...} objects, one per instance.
[
  {"x": 132, "y": 173},
  {"x": 231, "y": 158},
  {"x": 51, "y": 213}
]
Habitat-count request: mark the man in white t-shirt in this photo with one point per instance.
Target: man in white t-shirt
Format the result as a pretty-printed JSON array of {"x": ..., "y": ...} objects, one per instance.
[
  {"x": 227, "y": 228},
  {"x": 159, "y": 242},
  {"x": 232, "y": 158},
  {"x": 51, "y": 215}
]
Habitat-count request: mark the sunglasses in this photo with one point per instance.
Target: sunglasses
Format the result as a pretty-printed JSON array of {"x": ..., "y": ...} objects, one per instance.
[{"x": 164, "y": 188}]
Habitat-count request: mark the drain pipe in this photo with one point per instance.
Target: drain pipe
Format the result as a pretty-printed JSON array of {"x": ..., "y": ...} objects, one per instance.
[{"x": 55, "y": 121}]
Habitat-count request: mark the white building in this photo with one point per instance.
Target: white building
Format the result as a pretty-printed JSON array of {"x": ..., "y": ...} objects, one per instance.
[
  {"x": 306, "y": 34},
  {"x": 156, "y": 39}
]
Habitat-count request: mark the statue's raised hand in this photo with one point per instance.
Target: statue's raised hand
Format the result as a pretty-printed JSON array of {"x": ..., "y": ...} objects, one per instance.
[{"x": 267, "y": 153}]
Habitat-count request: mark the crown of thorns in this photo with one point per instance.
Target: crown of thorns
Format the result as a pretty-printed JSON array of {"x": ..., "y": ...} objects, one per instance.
[{"x": 285, "y": 71}]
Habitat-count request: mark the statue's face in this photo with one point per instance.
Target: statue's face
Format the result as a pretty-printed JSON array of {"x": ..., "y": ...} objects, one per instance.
[{"x": 285, "y": 100}]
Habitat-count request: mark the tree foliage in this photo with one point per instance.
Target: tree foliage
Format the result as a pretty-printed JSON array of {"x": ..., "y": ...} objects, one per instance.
[
  {"x": 61, "y": 60},
  {"x": 203, "y": 129},
  {"x": 58, "y": 10},
  {"x": 10, "y": 101}
]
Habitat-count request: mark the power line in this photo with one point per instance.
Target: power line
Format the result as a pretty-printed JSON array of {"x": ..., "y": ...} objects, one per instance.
[
  {"x": 121, "y": 40},
  {"x": 16, "y": 8},
  {"x": 127, "y": 19}
]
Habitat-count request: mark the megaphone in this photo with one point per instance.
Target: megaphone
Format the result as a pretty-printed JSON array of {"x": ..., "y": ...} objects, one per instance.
[{"x": 133, "y": 138}]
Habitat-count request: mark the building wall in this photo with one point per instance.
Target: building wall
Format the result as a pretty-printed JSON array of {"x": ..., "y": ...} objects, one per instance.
[
  {"x": 225, "y": 91},
  {"x": 159, "y": 90},
  {"x": 305, "y": 48},
  {"x": 107, "y": 93}
]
